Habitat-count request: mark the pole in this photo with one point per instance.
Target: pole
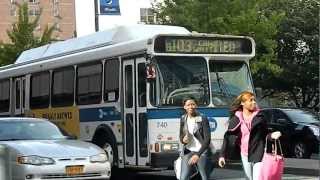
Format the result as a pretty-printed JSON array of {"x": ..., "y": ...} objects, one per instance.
[{"x": 96, "y": 15}]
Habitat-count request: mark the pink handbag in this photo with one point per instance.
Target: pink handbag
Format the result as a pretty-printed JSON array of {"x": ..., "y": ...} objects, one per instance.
[{"x": 272, "y": 164}]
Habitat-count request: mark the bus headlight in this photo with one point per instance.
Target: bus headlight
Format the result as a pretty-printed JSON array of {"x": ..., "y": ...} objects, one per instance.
[{"x": 170, "y": 146}]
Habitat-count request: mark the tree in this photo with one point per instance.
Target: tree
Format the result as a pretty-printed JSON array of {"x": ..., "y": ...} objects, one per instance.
[
  {"x": 298, "y": 53},
  {"x": 237, "y": 17},
  {"x": 285, "y": 32},
  {"x": 22, "y": 36}
]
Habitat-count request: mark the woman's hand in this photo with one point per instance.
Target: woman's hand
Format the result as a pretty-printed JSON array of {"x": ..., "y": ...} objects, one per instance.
[
  {"x": 194, "y": 159},
  {"x": 222, "y": 162},
  {"x": 275, "y": 135}
]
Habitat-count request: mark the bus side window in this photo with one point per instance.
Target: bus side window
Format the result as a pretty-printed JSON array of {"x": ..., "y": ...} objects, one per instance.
[
  {"x": 111, "y": 76},
  {"x": 4, "y": 95},
  {"x": 40, "y": 90},
  {"x": 62, "y": 87},
  {"x": 89, "y": 83},
  {"x": 142, "y": 84}
]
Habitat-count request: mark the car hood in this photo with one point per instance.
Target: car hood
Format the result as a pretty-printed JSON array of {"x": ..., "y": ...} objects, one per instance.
[
  {"x": 308, "y": 124},
  {"x": 54, "y": 148}
]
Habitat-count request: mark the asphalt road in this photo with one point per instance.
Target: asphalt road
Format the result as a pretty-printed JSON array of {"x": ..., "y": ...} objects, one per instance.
[
  {"x": 218, "y": 174},
  {"x": 295, "y": 169}
]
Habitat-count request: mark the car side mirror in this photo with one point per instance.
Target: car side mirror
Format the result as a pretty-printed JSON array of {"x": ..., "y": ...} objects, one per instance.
[{"x": 71, "y": 137}]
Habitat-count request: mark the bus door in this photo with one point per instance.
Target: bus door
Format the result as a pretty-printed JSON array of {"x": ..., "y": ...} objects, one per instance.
[
  {"x": 19, "y": 85},
  {"x": 135, "y": 120}
]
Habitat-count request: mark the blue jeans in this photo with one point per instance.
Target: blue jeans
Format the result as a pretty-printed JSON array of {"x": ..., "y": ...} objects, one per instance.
[
  {"x": 252, "y": 170},
  {"x": 202, "y": 166}
]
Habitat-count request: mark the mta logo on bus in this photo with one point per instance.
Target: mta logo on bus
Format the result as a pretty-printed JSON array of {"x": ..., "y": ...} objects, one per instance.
[{"x": 212, "y": 123}]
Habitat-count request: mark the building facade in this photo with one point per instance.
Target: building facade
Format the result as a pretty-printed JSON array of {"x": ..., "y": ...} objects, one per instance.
[
  {"x": 60, "y": 13},
  {"x": 97, "y": 15}
]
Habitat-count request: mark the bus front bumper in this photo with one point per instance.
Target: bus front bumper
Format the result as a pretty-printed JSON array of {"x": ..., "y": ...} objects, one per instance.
[{"x": 163, "y": 159}]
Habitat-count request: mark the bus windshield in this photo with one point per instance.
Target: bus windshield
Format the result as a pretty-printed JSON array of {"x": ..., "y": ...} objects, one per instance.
[
  {"x": 228, "y": 80},
  {"x": 180, "y": 77}
]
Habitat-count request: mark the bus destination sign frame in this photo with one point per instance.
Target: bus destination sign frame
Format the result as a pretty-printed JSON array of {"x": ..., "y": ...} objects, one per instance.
[{"x": 202, "y": 45}]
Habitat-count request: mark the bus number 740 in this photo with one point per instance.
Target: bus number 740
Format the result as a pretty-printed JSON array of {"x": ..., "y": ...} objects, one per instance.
[{"x": 162, "y": 124}]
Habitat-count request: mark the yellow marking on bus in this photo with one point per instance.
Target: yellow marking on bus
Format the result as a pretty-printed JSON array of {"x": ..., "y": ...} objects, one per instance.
[{"x": 66, "y": 118}]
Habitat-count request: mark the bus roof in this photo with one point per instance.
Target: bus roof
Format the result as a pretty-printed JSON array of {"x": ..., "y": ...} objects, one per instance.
[{"x": 104, "y": 38}]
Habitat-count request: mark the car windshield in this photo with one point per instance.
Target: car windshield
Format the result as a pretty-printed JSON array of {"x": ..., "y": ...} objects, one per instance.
[
  {"x": 178, "y": 78},
  {"x": 297, "y": 115},
  {"x": 228, "y": 80},
  {"x": 29, "y": 130}
]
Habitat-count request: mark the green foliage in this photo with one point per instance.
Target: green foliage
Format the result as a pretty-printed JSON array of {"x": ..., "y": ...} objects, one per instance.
[
  {"x": 251, "y": 18},
  {"x": 286, "y": 33},
  {"x": 298, "y": 52},
  {"x": 22, "y": 36}
]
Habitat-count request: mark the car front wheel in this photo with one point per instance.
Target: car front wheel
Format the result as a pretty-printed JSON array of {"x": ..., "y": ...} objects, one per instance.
[{"x": 301, "y": 150}]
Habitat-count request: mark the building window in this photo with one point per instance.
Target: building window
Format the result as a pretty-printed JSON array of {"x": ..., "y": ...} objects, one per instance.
[
  {"x": 13, "y": 10},
  {"x": 55, "y": 8},
  {"x": 32, "y": 1},
  {"x": 111, "y": 77},
  {"x": 89, "y": 84},
  {"x": 4, "y": 95},
  {"x": 40, "y": 84},
  {"x": 62, "y": 87},
  {"x": 147, "y": 16},
  {"x": 38, "y": 28},
  {"x": 57, "y": 27},
  {"x": 34, "y": 11}
]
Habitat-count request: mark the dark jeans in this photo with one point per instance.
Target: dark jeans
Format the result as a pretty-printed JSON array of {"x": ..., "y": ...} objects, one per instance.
[{"x": 202, "y": 166}]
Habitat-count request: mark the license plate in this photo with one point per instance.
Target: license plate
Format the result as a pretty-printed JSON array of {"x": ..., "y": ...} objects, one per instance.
[{"x": 74, "y": 170}]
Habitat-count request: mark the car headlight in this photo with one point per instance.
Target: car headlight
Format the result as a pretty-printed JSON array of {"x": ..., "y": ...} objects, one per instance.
[
  {"x": 35, "y": 160},
  {"x": 315, "y": 130},
  {"x": 99, "y": 158}
]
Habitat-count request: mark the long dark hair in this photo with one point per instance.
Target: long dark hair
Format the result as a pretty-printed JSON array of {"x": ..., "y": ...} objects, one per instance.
[{"x": 236, "y": 104}]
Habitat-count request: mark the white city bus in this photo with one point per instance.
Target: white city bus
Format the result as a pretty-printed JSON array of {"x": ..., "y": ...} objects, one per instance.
[{"x": 122, "y": 89}]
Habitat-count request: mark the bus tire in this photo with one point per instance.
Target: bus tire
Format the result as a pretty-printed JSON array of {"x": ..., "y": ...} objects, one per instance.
[{"x": 105, "y": 139}]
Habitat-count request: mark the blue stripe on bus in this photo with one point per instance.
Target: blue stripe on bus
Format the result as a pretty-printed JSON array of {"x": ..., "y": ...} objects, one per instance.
[
  {"x": 176, "y": 113},
  {"x": 99, "y": 114},
  {"x": 111, "y": 114}
]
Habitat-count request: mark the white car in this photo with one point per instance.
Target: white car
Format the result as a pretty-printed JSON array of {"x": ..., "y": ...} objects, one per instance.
[{"x": 36, "y": 149}]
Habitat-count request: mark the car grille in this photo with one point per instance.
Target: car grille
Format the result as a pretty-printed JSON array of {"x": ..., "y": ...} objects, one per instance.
[
  {"x": 75, "y": 159},
  {"x": 64, "y": 176}
]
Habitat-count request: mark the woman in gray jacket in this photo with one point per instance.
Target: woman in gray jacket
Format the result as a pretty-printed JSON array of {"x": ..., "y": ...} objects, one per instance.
[{"x": 195, "y": 136}]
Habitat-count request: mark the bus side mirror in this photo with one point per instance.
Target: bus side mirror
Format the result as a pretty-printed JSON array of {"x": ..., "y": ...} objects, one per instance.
[{"x": 150, "y": 72}]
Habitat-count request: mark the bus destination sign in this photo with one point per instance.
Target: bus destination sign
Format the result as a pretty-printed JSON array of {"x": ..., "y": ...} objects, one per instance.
[{"x": 202, "y": 45}]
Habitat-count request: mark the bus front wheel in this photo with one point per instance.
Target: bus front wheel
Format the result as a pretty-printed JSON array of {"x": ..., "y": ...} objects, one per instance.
[
  {"x": 106, "y": 140},
  {"x": 107, "y": 147}
]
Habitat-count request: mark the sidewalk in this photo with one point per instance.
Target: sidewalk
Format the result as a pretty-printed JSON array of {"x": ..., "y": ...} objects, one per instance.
[{"x": 308, "y": 167}]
